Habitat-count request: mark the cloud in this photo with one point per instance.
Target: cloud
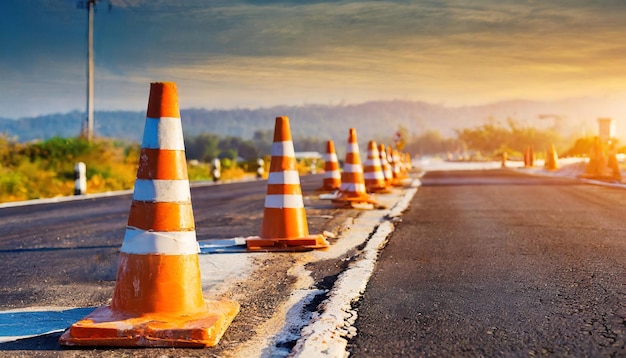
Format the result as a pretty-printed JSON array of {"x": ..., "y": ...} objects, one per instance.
[{"x": 236, "y": 52}]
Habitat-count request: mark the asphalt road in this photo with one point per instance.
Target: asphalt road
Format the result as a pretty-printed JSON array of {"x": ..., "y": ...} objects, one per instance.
[
  {"x": 495, "y": 263},
  {"x": 65, "y": 254},
  {"x": 46, "y": 249}
]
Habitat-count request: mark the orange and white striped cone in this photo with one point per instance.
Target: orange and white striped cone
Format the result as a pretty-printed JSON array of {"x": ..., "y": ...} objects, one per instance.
[
  {"x": 397, "y": 167},
  {"x": 284, "y": 219},
  {"x": 385, "y": 165},
  {"x": 373, "y": 171},
  {"x": 158, "y": 300},
  {"x": 391, "y": 163},
  {"x": 409, "y": 162},
  {"x": 352, "y": 189},
  {"x": 332, "y": 176}
]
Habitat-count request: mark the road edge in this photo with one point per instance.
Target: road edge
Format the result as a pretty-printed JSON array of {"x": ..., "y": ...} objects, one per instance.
[{"x": 328, "y": 332}]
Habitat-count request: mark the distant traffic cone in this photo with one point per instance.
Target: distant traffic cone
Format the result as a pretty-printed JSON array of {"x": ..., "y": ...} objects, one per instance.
[
  {"x": 399, "y": 175},
  {"x": 525, "y": 154},
  {"x": 597, "y": 167},
  {"x": 372, "y": 170},
  {"x": 385, "y": 164},
  {"x": 613, "y": 164},
  {"x": 352, "y": 188},
  {"x": 332, "y": 176},
  {"x": 158, "y": 300},
  {"x": 552, "y": 159},
  {"x": 409, "y": 162},
  {"x": 284, "y": 219},
  {"x": 390, "y": 157}
]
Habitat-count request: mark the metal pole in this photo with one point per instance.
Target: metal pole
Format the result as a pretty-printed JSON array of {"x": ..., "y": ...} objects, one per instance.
[{"x": 90, "y": 70}]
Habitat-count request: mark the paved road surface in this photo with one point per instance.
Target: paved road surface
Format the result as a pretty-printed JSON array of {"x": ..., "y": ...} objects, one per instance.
[
  {"x": 65, "y": 254},
  {"x": 493, "y": 263}
]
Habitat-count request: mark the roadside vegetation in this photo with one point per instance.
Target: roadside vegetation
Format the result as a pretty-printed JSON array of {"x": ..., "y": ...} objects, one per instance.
[
  {"x": 488, "y": 141},
  {"x": 45, "y": 169}
]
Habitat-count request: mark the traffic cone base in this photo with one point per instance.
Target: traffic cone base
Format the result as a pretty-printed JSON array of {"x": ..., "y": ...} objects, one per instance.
[
  {"x": 401, "y": 182},
  {"x": 107, "y": 328},
  {"x": 287, "y": 244},
  {"x": 379, "y": 190},
  {"x": 344, "y": 198}
]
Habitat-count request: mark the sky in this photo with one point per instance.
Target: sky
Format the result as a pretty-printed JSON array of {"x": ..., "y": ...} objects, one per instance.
[{"x": 260, "y": 53}]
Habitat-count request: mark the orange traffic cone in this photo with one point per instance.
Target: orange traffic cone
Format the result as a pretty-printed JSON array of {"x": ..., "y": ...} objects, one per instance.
[
  {"x": 352, "y": 188},
  {"x": 398, "y": 168},
  {"x": 373, "y": 171},
  {"x": 332, "y": 176},
  {"x": 552, "y": 159},
  {"x": 158, "y": 300},
  {"x": 284, "y": 219},
  {"x": 613, "y": 164},
  {"x": 409, "y": 162},
  {"x": 385, "y": 164}
]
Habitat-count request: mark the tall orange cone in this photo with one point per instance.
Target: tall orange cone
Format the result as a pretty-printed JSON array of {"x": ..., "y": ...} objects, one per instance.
[
  {"x": 385, "y": 164},
  {"x": 372, "y": 170},
  {"x": 158, "y": 300},
  {"x": 332, "y": 176},
  {"x": 284, "y": 219},
  {"x": 352, "y": 188}
]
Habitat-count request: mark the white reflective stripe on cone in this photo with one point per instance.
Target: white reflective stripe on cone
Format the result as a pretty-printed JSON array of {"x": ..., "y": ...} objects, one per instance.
[
  {"x": 283, "y": 149},
  {"x": 330, "y": 157},
  {"x": 352, "y": 148},
  {"x": 163, "y": 133},
  {"x": 284, "y": 177},
  {"x": 359, "y": 188},
  {"x": 373, "y": 175},
  {"x": 138, "y": 241},
  {"x": 280, "y": 201},
  {"x": 332, "y": 174},
  {"x": 162, "y": 190},
  {"x": 353, "y": 168}
]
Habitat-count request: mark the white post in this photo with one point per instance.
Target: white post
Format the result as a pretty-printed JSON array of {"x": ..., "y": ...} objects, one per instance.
[
  {"x": 217, "y": 169},
  {"x": 80, "y": 179},
  {"x": 260, "y": 170}
]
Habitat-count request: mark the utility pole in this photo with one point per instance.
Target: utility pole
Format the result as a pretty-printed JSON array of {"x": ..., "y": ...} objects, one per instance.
[
  {"x": 88, "y": 125},
  {"x": 90, "y": 70}
]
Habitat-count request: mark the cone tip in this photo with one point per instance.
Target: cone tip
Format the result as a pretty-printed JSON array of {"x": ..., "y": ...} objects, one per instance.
[
  {"x": 352, "y": 136},
  {"x": 282, "y": 130},
  {"x": 163, "y": 100},
  {"x": 330, "y": 146}
]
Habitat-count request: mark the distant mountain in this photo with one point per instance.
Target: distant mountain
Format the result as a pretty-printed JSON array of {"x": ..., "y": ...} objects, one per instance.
[{"x": 373, "y": 120}]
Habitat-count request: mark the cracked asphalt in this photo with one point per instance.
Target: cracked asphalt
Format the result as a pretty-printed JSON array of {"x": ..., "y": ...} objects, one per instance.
[{"x": 497, "y": 263}]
